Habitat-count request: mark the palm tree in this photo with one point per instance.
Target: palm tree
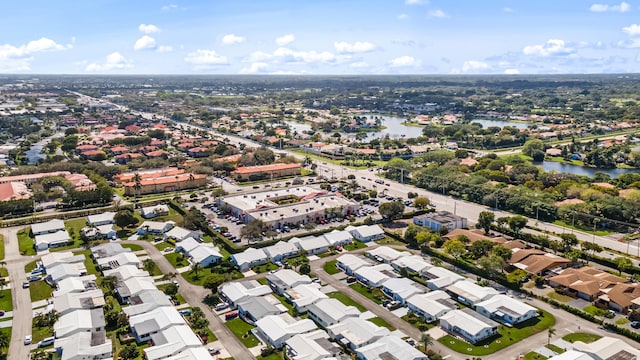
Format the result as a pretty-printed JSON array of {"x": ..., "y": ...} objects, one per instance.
[
  {"x": 195, "y": 267},
  {"x": 109, "y": 282},
  {"x": 149, "y": 266},
  {"x": 436, "y": 261},
  {"x": 137, "y": 179},
  {"x": 550, "y": 333},
  {"x": 4, "y": 341},
  {"x": 426, "y": 340}
]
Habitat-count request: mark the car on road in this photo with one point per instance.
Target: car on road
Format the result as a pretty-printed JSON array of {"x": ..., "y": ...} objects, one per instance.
[
  {"x": 635, "y": 324},
  {"x": 46, "y": 341},
  {"x": 27, "y": 339},
  {"x": 214, "y": 350},
  {"x": 1, "y": 312},
  {"x": 25, "y": 284}
]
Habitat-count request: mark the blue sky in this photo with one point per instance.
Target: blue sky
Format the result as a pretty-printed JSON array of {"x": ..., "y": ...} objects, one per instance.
[{"x": 320, "y": 37}]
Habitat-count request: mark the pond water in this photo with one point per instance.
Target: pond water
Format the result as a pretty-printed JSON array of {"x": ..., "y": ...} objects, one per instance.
[
  {"x": 499, "y": 123},
  {"x": 582, "y": 170},
  {"x": 299, "y": 127},
  {"x": 394, "y": 128},
  {"x": 35, "y": 154}
]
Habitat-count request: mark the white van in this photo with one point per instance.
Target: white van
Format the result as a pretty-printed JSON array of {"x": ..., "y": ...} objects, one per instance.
[{"x": 46, "y": 341}]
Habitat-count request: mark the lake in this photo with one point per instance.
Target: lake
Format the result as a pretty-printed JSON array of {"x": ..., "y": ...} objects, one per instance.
[
  {"x": 582, "y": 170},
  {"x": 298, "y": 127},
  {"x": 394, "y": 128},
  {"x": 35, "y": 153},
  {"x": 499, "y": 123}
]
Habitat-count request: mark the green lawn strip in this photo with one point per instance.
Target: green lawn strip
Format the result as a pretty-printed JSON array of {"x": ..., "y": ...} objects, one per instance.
[
  {"x": 586, "y": 229},
  {"x": 156, "y": 270},
  {"x": 534, "y": 356},
  {"x": 418, "y": 322},
  {"x": 74, "y": 226},
  {"x": 6, "y": 302},
  {"x": 584, "y": 337},
  {"x": 275, "y": 356},
  {"x": 177, "y": 260},
  {"x": 516, "y": 275},
  {"x": 387, "y": 240},
  {"x": 595, "y": 311},
  {"x": 173, "y": 216},
  {"x": 372, "y": 294},
  {"x": 263, "y": 268},
  {"x": 554, "y": 348},
  {"x": 330, "y": 267},
  {"x": 163, "y": 245},
  {"x": 346, "y": 300},
  {"x": 506, "y": 336},
  {"x": 355, "y": 245},
  {"x": 284, "y": 302},
  {"x": 559, "y": 297},
  {"x": 242, "y": 331},
  {"x": 39, "y": 333},
  {"x": 263, "y": 281},
  {"x": 381, "y": 322},
  {"x": 25, "y": 242},
  {"x": 92, "y": 268},
  {"x": 30, "y": 266},
  {"x": 133, "y": 247},
  {"x": 1, "y": 247},
  {"x": 4, "y": 272},
  {"x": 39, "y": 290},
  {"x": 622, "y": 321}
]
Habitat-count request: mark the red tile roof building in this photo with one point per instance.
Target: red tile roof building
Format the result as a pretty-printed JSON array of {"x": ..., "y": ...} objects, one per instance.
[
  {"x": 14, "y": 191},
  {"x": 271, "y": 171},
  {"x": 162, "y": 184}
]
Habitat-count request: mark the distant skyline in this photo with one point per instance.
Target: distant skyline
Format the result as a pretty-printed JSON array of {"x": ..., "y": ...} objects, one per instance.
[{"x": 319, "y": 37}]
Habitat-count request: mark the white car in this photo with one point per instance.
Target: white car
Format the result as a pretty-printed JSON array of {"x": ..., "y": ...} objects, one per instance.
[{"x": 27, "y": 340}]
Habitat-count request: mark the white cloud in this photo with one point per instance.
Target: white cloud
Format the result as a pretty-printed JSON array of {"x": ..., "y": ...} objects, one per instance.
[
  {"x": 553, "y": 47},
  {"x": 633, "y": 29},
  {"x": 359, "y": 65},
  {"x": 623, "y": 7},
  {"x": 145, "y": 42},
  {"x": 416, "y": 2},
  {"x": 259, "y": 56},
  {"x": 205, "y": 58},
  {"x": 148, "y": 28},
  {"x": 169, "y": 7},
  {"x": 474, "y": 66},
  {"x": 231, "y": 39},
  {"x": 511, "y": 71},
  {"x": 113, "y": 61},
  {"x": 285, "y": 39},
  {"x": 292, "y": 56},
  {"x": 343, "y": 47},
  {"x": 629, "y": 44},
  {"x": 164, "y": 49},
  {"x": 402, "y": 17},
  {"x": 18, "y": 58},
  {"x": 507, "y": 10},
  {"x": 255, "y": 68},
  {"x": 404, "y": 61},
  {"x": 438, "y": 14}
]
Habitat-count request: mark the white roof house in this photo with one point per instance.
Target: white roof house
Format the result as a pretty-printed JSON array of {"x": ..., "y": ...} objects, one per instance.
[
  {"x": 146, "y": 301},
  {"x": 171, "y": 341},
  {"x": 304, "y": 295},
  {"x": 149, "y": 212},
  {"x": 608, "y": 348},
  {"x": 79, "y": 321},
  {"x": 84, "y": 345},
  {"x": 256, "y": 308},
  {"x": 468, "y": 324},
  {"x": 413, "y": 263},
  {"x": 48, "y": 240},
  {"x": 400, "y": 289},
  {"x": 75, "y": 284},
  {"x": 313, "y": 345},
  {"x": 197, "y": 353},
  {"x": 62, "y": 257},
  {"x": 155, "y": 227},
  {"x": 203, "y": 253},
  {"x": 143, "y": 325},
  {"x": 470, "y": 293},
  {"x": 439, "y": 278},
  {"x": 187, "y": 245},
  {"x": 276, "y": 329},
  {"x": 506, "y": 310},
  {"x": 386, "y": 254},
  {"x": 235, "y": 292},
  {"x": 281, "y": 250},
  {"x": 101, "y": 219},
  {"x": 431, "y": 306},
  {"x": 349, "y": 263},
  {"x": 338, "y": 237},
  {"x": 326, "y": 312},
  {"x": 133, "y": 286},
  {"x": 248, "y": 258},
  {"x": 375, "y": 276},
  {"x": 50, "y": 226},
  {"x": 121, "y": 259},
  {"x": 356, "y": 332},
  {"x": 366, "y": 233},
  {"x": 311, "y": 244},
  {"x": 178, "y": 234},
  {"x": 572, "y": 355},
  {"x": 286, "y": 279},
  {"x": 72, "y": 301},
  {"x": 125, "y": 272},
  {"x": 62, "y": 271},
  {"x": 389, "y": 346},
  {"x": 108, "y": 249}
]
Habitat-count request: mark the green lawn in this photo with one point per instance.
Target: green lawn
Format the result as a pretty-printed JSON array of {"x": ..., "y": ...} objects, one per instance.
[
  {"x": 622, "y": 321},
  {"x": 92, "y": 268},
  {"x": 133, "y": 247},
  {"x": 179, "y": 297},
  {"x": 39, "y": 333},
  {"x": 6, "y": 302},
  {"x": 355, "y": 245},
  {"x": 506, "y": 336},
  {"x": 330, "y": 267},
  {"x": 242, "y": 331},
  {"x": 1, "y": 247},
  {"x": 156, "y": 270},
  {"x": 177, "y": 260},
  {"x": 275, "y": 356},
  {"x": 534, "y": 356},
  {"x": 263, "y": 268},
  {"x": 554, "y": 348},
  {"x": 595, "y": 311},
  {"x": 40, "y": 290},
  {"x": 30, "y": 266},
  {"x": 387, "y": 240},
  {"x": 381, "y": 322},
  {"x": 516, "y": 275},
  {"x": 559, "y": 297},
  {"x": 587, "y": 229},
  {"x": 163, "y": 245},
  {"x": 584, "y": 337},
  {"x": 374, "y": 295},
  {"x": 346, "y": 300},
  {"x": 74, "y": 226},
  {"x": 25, "y": 242},
  {"x": 4, "y": 272},
  {"x": 418, "y": 322}
]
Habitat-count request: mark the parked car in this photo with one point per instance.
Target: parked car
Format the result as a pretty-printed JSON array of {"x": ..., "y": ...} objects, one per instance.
[
  {"x": 46, "y": 341},
  {"x": 27, "y": 339},
  {"x": 635, "y": 324},
  {"x": 25, "y": 284},
  {"x": 221, "y": 306},
  {"x": 185, "y": 312},
  {"x": 214, "y": 350},
  {"x": 351, "y": 279},
  {"x": 231, "y": 315}
]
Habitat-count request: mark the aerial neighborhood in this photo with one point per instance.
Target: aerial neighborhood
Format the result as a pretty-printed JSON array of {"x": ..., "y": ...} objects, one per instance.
[{"x": 178, "y": 220}]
